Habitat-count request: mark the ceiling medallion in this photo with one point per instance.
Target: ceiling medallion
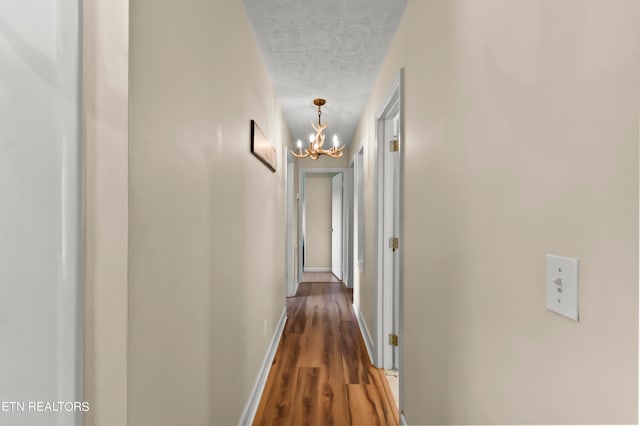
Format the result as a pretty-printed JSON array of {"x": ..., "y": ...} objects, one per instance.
[{"x": 316, "y": 143}]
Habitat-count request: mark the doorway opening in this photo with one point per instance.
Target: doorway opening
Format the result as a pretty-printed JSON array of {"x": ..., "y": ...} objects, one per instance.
[
  {"x": 389, "y": 237},
  {"x": 321, "y": 223}
]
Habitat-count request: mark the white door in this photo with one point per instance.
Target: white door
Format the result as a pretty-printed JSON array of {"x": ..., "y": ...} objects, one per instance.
[
  {"x": 41, "y": 232},
  {"x": 395, "y": 165},
  {"x": 389, "y": 245},
  {"x": 336, "y": 225},
  {"x": 391, "y": 226}
]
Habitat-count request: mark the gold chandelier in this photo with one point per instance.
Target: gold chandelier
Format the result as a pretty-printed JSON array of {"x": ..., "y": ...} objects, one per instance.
[{"x": 316, "y": 143}]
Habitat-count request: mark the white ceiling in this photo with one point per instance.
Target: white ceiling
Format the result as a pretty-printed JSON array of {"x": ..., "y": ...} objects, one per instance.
[{"x": 330, "y": 49}]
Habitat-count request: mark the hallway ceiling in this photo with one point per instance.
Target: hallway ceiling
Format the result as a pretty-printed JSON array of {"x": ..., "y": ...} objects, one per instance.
[{"x": 330, "y": 49}]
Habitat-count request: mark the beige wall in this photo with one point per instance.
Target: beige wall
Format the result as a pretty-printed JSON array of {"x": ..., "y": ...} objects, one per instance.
[
  {"x": 206, "y": 268},
  {"x": 521, "y": 139},
  {"x": 105, "y": 102},
  {"x": 317, "y": 199}
]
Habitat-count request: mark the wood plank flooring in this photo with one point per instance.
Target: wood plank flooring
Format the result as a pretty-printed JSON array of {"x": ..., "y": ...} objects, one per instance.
[
  {"x": 321, "y": 374},
  {"x": 319, "y": 277}
]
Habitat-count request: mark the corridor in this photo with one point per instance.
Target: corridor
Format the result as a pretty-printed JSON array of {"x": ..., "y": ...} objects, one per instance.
[
  {"x": 321, "y": 373},
  {"x": 180, "y": 180}
]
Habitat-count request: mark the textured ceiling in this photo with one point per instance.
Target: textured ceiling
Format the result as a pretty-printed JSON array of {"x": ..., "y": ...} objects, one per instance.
[{"x": 331, "y": 49}]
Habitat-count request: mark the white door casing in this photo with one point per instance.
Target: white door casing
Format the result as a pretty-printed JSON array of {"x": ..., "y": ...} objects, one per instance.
[
  {"x": 336, "y": 225},
  {"x": 388, "y": 214},
  {"x": 390, "y": 267},
  {"x": 290, "y": 247},
  {"x": 302, "y": 174},
  {"x": 347, "y": 234}
]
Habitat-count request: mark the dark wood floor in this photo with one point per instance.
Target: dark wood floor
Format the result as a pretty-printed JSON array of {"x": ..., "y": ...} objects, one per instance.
[{"x": 321, "y": 373}]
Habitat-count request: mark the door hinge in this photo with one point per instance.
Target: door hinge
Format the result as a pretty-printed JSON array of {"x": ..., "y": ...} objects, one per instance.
[
  {"x": 393, "y": 339},
  {"x": 394, "y": 243},
  {"x": 394, "y": 145}
]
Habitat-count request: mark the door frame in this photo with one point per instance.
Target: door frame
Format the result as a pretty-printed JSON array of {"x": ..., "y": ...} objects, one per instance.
[
  {"x": 302, "y": 173},
  {"x": 384, "y": 311},
  {"x": 347, "y": 238},
  {"x": 290, "y": 244},
  {"x": 337, "y": 214}
]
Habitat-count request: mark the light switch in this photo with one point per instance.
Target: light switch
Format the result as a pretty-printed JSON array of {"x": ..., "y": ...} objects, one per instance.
[{"x": 562, "y": 285}]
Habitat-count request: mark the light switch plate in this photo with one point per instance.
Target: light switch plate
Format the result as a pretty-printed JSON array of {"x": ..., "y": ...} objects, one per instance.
[{"x": 562, "y": 285}]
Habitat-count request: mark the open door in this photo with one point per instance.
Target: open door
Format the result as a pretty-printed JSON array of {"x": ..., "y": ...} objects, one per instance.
[
  {"x": 391, "y": 230},
  {"x": 394, "y": 159},
  {"x": 389, "y": 239},
  {"x": 336, "y": 225}
]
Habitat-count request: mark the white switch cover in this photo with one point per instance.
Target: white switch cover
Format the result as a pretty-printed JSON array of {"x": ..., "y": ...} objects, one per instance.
[{"x": 562, "y": 285}]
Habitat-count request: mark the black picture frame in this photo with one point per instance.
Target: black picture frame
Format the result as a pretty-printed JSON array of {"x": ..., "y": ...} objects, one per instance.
[{"x": 262, "y": 148}]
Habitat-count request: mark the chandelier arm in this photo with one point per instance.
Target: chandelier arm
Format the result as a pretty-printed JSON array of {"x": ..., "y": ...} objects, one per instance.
[
  {"x": 306, "y": 154},
  {"x": 331, "y": 151}
]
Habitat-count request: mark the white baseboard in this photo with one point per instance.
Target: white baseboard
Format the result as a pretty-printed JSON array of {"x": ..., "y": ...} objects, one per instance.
[
  {"x": 251, "y": 406},
  {"x": 294, "y": 288},
  {"x": 316, "y": 269},
  {"x": 368, "y": 342},
  {"x": 403, "y": 420}
]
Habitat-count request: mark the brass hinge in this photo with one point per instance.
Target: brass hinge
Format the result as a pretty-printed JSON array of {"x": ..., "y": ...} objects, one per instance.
[
  {"x": 394, "y": 145},
  {"x": 394, "y": 242},
  {"x": 393, "y": 339}
]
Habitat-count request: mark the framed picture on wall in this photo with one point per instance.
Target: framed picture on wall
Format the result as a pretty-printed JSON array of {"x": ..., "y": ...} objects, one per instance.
[{"x": 261, "y": 148}]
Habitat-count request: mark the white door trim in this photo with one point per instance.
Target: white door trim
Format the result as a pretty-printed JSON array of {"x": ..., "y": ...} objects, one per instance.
[
  {"x": 302, "y": 172},
  {"x": 348, "y": 240},
  {"x": 289, "y": 242},
  {"x": 384, "y": 311},
  {"x": 70, "y": 295},
  {"x": 337, "y": 225}
]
